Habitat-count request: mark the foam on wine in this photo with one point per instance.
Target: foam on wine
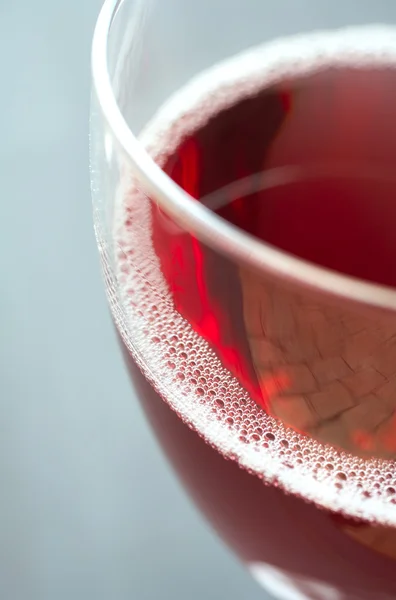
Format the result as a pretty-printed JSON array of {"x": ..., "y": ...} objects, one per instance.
[{"x": 175, "y": 359}]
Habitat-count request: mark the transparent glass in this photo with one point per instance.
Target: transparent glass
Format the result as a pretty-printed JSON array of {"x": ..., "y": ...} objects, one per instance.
[{"x": 263, "y": 344}]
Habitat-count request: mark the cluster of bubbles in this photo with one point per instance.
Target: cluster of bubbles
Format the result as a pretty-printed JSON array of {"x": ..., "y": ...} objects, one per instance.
[{"x": 179, "y": 364}]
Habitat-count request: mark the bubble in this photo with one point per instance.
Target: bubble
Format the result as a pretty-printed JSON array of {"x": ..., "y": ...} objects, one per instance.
[{"x": 189, "y": 376}]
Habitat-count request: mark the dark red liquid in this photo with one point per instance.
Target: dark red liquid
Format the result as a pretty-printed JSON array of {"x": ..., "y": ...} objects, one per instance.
[
  {"x": 261, "y": 523},
  {"x": 340, "y": 119}
]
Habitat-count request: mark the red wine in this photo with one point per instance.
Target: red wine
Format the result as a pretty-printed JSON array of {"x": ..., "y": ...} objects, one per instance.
[
  {"x": 321, "y": 129},
  {"x": 290, "y": 546},
  {"x": 336, "y": 207}
]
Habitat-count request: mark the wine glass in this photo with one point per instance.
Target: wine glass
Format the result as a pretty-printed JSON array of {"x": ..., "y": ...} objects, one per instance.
[{"x": 242, "y": 168}]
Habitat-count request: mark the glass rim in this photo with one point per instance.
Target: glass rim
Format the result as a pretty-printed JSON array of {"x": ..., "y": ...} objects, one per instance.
[{"x": 202, "y": 222}]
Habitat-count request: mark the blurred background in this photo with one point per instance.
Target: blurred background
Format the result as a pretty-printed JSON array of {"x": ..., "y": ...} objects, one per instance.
[{"x": 89, "y": 508}]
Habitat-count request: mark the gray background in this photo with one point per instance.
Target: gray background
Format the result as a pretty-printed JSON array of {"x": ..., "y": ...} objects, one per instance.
[
  {"x": 89, "y": 509},
  {"x": 88, "y": 506}
]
